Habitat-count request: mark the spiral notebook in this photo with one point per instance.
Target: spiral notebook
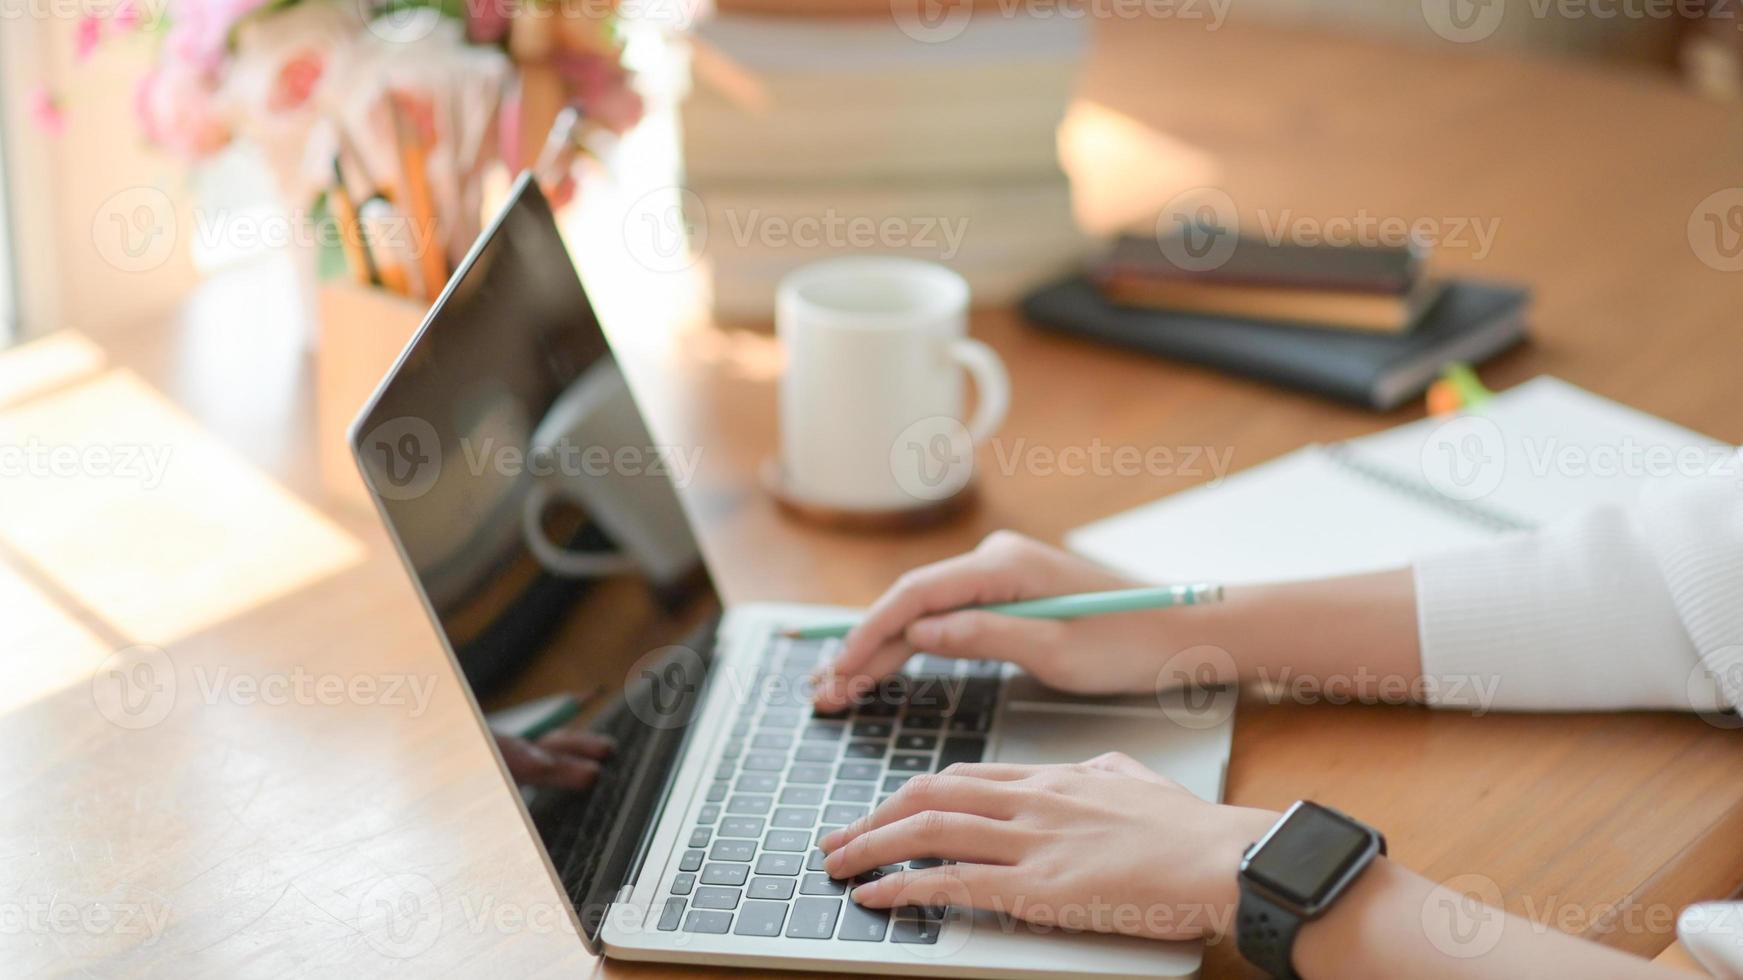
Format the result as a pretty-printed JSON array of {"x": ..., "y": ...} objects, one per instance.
[{"x": 1522, "y": 458}]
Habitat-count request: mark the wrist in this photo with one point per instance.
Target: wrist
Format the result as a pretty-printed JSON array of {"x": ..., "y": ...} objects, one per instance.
[{"x": 1239, "y": 828}]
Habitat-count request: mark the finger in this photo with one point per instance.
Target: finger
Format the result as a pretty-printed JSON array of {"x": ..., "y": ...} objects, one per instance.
[
  {"x": 975, "y": 634},
  {"x": 836, "y": 691},
  {"x": 932, "y": 834},
  {"x": 947, "y": 584},
  {"x": 956, "y": 885},
  {"x": 532, "y": 765},
  {"x": 954, "y": 793},
  {"x": 578, "y": 742}
]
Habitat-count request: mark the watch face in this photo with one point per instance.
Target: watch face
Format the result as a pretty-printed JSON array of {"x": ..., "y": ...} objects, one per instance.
[{"x": 1309, "y": 854}]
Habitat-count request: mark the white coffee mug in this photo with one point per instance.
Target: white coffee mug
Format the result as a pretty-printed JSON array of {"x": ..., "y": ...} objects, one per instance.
[{"x": 872, "y": 399}]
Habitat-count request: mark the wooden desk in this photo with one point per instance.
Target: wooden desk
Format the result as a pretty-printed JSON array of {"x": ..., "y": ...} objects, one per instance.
[{"x": 271, "y": 836}]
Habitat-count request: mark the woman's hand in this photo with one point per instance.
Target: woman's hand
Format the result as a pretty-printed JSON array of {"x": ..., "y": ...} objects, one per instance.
[
  {"x": 568, "y": 758},
  {"x": 1104, "y": 845},
  {"x": 1116, "y": 654}
]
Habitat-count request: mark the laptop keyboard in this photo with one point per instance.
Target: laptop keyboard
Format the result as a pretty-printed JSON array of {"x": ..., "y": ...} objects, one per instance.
[{"x": 786, "y": 777}]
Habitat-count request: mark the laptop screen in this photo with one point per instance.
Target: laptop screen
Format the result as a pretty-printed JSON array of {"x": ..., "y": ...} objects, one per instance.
[{"x": 540, "y": 520}]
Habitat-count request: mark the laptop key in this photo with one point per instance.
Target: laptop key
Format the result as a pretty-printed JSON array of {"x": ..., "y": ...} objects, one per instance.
[
  {"x": 779, "y": 864},
  {"x": 672, "y": 914},
  {"x": 726, "y": 770},
  {"x": 717, "y": 792},
  {"x": 751, "y": 827},
  {"x": 732, "y": 850},
  {"x": 921, "y": 864},
  {"x": 893, "y": 783},
  {"x": 859, "y": 770},
  {"x": 786, "y": 840},
  {"x": 749, "y": 803},
  {"x": 816, "y": 752},
  {"x": 972, "y": 722},
  {"x": 724, "y": 874},
  {"x": 851, "y": 792},
  {"x": 820, "y": 730},
  {"x": 794, "y": 818},
  {"x": 864, "y": 925},
  {"x": 814, "y": 860},
  {"x": 917, "y": 925},
  {"x": 691, "y": 861},
  {"x": 709, "y": 814},
  {"x": 771, "y": 889},
  {"x": 961, "y": 748},
  {"x": 916, "y": 743},
  {"x": 910, "y": 763},
  {"x": 712, "y": 897},
  {"x": 924, "y": 721},
  {"x": 772, "y": 740},
  {"x": 765, "y": 762},
  {"x": 871, "y": 729},
  {"x": 733, "y": 750},
  {"x": 761, "y": 919},
  {"x": 757, "y": 782},
  {"x": 865, "y": 750},
  {"x": 842, "y": 813},
  {"x": 813, "y": 918},
  {"x": 820, "y": 884},
  {"x": 802, "y": 796},
  {"x": 704, "y": 921},
  {"x": 699, "y": 837},
  {"x": 681, "y": 885},
  {"x": 808, "y": 774}
]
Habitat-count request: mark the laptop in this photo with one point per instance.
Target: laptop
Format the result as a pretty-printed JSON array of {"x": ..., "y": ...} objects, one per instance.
[{"x": 544, "y": 526}]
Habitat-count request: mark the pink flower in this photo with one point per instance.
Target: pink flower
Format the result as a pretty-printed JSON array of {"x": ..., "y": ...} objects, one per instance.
[
  {"x": 179, "y": 112},
  {"x": 46, "y": 112},
  {"x": 296, "y": 81},
  {"x": 85, "y": 37},
  {"x": 487, "y": 20},
  {"x": 126, "y": 15}
]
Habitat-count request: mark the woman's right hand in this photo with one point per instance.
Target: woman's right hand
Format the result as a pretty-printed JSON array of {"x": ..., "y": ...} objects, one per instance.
[{"x": 1114, "y": 654}]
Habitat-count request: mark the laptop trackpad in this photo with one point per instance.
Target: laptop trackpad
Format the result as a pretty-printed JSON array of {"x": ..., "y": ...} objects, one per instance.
[{"x": 1190, "y": 747}]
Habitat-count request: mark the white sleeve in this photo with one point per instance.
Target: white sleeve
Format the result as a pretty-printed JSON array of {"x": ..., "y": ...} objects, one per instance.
[{"x": 1613, "y": 608}]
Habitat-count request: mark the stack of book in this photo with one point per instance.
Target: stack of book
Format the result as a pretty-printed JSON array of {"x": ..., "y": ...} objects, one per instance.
[
  {"x": 807, "y": 137},
  {"x": 1362, "y": 323}
]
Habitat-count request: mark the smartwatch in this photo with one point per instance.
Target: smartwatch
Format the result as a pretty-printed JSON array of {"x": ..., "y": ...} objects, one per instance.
[{"x": 1292, "y": 875}]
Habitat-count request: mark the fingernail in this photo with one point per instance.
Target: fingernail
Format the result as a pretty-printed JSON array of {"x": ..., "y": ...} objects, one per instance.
[{"x": 539, "y": 755}]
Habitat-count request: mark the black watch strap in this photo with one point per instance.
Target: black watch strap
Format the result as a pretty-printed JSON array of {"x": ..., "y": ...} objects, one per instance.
[{"x": 1265, "y": 934}]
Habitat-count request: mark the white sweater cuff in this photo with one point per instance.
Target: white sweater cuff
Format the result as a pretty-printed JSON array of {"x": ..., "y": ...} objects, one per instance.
[{"x": 1571, "y": 617}]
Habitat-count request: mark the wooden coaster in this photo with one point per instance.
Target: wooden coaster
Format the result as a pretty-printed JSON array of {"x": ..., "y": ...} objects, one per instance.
[{"x": 923, "y": 515}]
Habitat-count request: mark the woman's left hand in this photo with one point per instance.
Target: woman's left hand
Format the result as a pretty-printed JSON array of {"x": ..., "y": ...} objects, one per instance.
[{"x": 1104, "y": 845}]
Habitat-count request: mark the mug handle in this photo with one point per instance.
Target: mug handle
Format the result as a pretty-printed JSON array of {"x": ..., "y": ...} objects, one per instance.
[
  {"x": 991, "y": 383},
  {"x": 557, "y": 559}
]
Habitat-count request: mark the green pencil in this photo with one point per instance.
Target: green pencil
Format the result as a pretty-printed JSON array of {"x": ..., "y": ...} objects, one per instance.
[{"x": 1061, "y": 607}]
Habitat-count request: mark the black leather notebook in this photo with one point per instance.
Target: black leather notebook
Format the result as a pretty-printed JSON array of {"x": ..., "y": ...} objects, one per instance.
[{"x": 1471, "y": 322}]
